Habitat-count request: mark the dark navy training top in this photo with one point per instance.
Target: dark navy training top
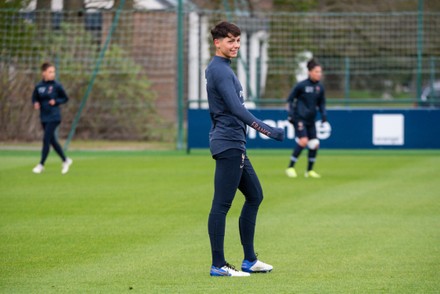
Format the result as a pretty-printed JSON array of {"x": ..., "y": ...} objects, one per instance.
[
  {"x": 44, "y": 92},
  {"x": 229, "y": 116},
  {"x": 304, "y": 100}
]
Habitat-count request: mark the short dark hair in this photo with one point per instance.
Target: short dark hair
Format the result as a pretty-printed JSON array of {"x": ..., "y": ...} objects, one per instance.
[
  {"x": 46, "y": 65},
  {"x": 223, "y": 29},
  {"x": 312, "y": 64}
]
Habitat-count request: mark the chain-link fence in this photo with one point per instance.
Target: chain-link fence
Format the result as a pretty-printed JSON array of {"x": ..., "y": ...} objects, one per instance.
[
  {"x": 381, "y": 58},
  {"x": 373, "y": 59},
  {"x": 137, "y": 69}
]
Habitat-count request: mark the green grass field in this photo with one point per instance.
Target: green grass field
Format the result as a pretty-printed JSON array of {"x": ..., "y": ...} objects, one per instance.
[{"x": 137, "y": 222}]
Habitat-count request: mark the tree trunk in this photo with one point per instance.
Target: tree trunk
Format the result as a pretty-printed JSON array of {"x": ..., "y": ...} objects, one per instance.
[
  {"x": 44, "y": 4},
  {"x": 42, "y": 17},
  {"x": 73, "y": 5},
  {"x": 73, "y": 10}
]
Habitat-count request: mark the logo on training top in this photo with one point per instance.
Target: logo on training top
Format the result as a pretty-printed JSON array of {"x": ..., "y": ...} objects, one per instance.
[
  {"x": 309, "y": 89},
  {"x": 323, "y": 129},
  {"x": 241, "y": 94},
  {"x": 50, "y": 89},
  {"x": 318, "y": 89},
  {"x": 41, "y": 90}
]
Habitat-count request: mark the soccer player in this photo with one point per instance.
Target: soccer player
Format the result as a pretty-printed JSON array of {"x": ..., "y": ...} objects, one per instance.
[
  {"x": 303, "y": 102},
  {"x": 47, "y": 96},
  {"x": 233, "y": 170}
]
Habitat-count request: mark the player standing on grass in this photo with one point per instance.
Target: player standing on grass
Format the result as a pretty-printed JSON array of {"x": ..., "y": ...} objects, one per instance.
[
  {"x": 47, "y": 96},
  {"x": 233, "y": 170},
  {"x": 302, "y": 104}
]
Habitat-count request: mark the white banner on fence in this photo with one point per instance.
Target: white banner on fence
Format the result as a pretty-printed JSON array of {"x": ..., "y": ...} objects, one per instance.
[{"x": 388, "y": 129}]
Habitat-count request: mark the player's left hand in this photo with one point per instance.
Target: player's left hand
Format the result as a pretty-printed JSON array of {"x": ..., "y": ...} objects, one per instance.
[{"x": 52, "y": 102}]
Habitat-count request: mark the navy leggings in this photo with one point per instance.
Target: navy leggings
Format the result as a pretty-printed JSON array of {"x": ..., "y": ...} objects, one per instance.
[
  {"x": 233, "y": 170},
  {"x": 49, "y": 138}
]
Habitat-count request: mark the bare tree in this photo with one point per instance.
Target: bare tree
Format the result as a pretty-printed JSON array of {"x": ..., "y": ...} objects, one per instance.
[
  {"x": 43, "y": 19},
  {"x": 73, "y": 5},
  {"x": 44, "y": 4},
  {"x": 73, "y": 10}
]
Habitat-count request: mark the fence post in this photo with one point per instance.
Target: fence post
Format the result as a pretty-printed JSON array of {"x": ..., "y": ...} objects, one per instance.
[
  {"x": 347, "y": 81},
  {"x": 180, "y": 75},
  {"x": 432, "y": 76},
  {"x": 258, "y": 80},
  {"x": 94, "y": 74},
  {"x": 419, "y": 50}
]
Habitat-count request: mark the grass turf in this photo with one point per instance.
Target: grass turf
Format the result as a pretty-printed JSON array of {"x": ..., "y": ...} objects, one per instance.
[{"x": 122, "y": 221}]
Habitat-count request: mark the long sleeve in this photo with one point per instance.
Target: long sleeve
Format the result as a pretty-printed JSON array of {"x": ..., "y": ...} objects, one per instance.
[
  {"x": 35, "y": 96},
  {"x": 290, "y": 100},
  {"x": 293, "y": 94},
  {"x": 62, "y": 96},
  {"x": 239, "y": 110},
  {"x": 321, "y": 105}
]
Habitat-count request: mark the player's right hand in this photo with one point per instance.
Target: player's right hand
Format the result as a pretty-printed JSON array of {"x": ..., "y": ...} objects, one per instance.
[
  {"x": 37, "y": 105},
  {"x": 278, "y": 134}
]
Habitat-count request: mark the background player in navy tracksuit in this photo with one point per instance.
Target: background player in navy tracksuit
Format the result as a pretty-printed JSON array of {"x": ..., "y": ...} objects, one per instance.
[
  {"x": 233, "y": 171},
  {"x": 47, "y": 96},
  {"x": 303, "y": 102}
]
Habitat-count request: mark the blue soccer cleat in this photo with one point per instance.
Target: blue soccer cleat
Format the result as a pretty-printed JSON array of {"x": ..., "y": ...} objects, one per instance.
[
  {"x": 227, "y": 271},
  {"x": 256, "y": 266}
]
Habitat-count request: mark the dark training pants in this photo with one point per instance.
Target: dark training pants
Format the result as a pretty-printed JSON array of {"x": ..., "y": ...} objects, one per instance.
[
  {"x": 233, "y": 170},
  {"x": 49, "y": 138}
]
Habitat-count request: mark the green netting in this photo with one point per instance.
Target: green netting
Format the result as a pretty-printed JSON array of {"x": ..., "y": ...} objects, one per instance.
[
  {"x": 364, "y": 55},
  {"x": 382, "y": 58}
]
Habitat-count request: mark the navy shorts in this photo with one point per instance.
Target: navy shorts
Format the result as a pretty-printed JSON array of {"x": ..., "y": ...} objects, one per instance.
[{"x": 303, "y": 129}]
